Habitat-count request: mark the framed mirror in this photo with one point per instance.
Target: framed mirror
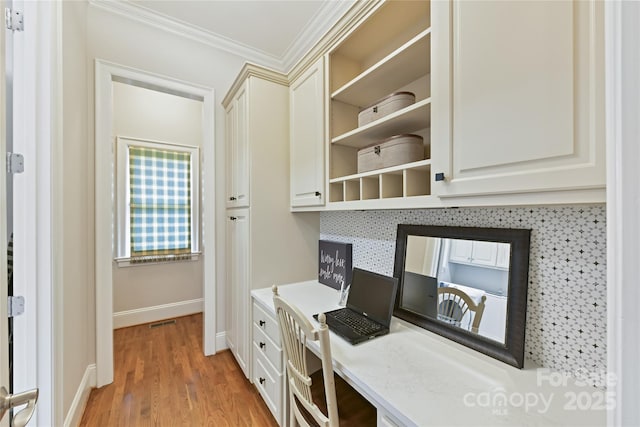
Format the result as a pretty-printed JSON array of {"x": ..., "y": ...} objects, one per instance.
[{"x": 468, "y": 284}]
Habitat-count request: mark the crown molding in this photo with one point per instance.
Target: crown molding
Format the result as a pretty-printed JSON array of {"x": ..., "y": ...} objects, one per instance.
[
  {"x": 319, "y": 25},
  {"x": 253, "y": 70},
  {"x": 165, "y": 23}
]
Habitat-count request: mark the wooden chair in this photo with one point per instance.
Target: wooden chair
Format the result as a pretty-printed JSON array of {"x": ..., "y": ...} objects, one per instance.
[
  {"x": 295, "y": 331},
  {"x": 454, "y": 304}
]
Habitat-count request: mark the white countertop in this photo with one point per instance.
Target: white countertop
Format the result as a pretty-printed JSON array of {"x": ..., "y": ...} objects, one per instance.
[{"x": 423, "y": 379}]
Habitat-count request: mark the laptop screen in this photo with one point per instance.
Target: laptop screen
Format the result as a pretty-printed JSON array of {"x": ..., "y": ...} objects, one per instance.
[{"x": 373, "y": 295}]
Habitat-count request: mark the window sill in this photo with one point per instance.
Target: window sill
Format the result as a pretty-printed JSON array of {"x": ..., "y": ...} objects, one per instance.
[{"x": 166, "y": 259}]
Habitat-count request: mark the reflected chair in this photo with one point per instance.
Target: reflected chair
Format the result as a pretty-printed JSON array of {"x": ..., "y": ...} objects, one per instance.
[
  {"x": 454, "y": 304},
  {"x": 295, "y": 331}
]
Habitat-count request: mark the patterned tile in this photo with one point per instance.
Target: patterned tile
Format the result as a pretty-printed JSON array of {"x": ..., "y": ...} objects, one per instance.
[{"x": 566, "y": 313}]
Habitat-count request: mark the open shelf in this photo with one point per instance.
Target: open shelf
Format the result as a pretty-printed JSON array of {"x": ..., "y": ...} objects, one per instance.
[
  {"x": 404, "y": 65},
  {"x": 407, "y": 120},
  {"x": 389, "y": 52},
  {"x": 408, "y": 180},
  {"x": 422, "y": 164}
]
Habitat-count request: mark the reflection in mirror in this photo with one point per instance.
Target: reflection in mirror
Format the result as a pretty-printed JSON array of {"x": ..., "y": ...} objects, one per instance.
[
  {"x": 463, "y": 283},
  {"x": 468, "y": 284}
]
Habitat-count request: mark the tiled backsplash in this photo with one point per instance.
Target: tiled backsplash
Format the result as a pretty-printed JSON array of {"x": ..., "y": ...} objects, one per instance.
[{"x": 566, "y": 312}]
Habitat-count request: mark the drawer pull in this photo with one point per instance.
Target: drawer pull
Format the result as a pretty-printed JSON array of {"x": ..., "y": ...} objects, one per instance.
[
  {"x": 262, "y": 380},
  {"x": 232, "y": 198},
  {"x": 262, "y": 323},
  {"x": 262, "y": 345}
]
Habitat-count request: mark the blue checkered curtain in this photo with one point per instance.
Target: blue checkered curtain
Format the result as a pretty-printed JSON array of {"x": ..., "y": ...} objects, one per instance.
[{"x": 160, "y": 188}]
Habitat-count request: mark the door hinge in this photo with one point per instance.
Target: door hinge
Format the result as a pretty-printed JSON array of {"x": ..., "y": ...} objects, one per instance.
[
  {"x": 15, "y": 306},
  {"x": 15, "y": 163},
  {"x": 13, "y": 19}
]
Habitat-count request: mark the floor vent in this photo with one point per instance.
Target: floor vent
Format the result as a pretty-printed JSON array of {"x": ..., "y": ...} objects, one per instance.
[{"x": 164, "y": 323}]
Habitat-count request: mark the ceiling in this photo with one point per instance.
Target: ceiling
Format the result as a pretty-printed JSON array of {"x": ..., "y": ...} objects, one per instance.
[{"x": 274, "y": 33}]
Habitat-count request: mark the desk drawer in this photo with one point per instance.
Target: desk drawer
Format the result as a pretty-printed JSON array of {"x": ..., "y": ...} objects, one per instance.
[
  {"x": 267, "y": 323},
  {"x": 263, "y": 344},
  {"x": 269, "y": 384}
]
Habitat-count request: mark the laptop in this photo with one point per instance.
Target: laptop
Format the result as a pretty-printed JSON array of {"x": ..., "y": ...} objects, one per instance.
[
  {"x": 420, "y": 294},
  {"x": 369, "y": 307}
]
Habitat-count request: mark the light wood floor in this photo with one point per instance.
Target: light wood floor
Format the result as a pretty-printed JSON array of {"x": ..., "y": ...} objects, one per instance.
[{"x": 163, "y": 379}]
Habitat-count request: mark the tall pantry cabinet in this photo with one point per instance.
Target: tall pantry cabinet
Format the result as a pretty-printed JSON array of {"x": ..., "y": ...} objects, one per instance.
[{"x": 266, "y": 243}]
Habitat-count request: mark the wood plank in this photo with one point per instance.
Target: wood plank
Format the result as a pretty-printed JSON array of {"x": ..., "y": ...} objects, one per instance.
[{"x": 162, "y": 378}]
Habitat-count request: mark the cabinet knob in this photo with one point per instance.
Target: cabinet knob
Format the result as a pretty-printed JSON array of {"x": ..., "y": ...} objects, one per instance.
[
  {"x": 440, "y": 176},
  {"x": 262, "y": 323},
  {"x": 318, "y": 194},
  {"x": 262, "y": 380},
  {"x": 262, "y": 345},
  {"x": 232, "y": 198},
  {"x": 232, "y": 218}
]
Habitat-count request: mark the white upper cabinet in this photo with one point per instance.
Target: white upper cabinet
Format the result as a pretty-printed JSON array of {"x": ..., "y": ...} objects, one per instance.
[
  {"x": 517, "y": 98},
  {"x": 306, "y": 98},
  {"x": 478, "y": 253},
  {"x": 237, "y": 150}
]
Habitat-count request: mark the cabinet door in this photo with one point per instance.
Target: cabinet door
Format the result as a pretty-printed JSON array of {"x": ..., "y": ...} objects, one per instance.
[
  {"x": 504, "y": 255},
  {"x": 484, "y": 253},
  {"x": 461, "y": 250},
  {"x": 238, "y": 150},
  {"x": 238, "y": 290},
  {"x": 230, "y": 153},
  {"x": 306, "y": 97},
  {"x": 517, "y": 96}
]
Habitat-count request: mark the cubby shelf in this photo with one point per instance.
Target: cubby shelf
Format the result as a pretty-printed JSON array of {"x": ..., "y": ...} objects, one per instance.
[
  {"x": 419, "y": 165},
  {"x": 407, "y": 180},
  {"x": 407, "y": 120},
  {"x": 405, "y": 64}
]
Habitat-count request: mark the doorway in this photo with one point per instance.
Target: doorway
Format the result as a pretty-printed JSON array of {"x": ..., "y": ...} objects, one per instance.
[{"x": 108, "y": 74}]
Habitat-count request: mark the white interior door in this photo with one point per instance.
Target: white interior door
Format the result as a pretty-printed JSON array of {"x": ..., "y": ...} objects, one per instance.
[
  {"x": 4, "y": 324},
  {"x": 19, "y": 355}
]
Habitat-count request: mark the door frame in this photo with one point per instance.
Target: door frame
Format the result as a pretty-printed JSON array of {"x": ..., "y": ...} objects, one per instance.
[
  {"x": 105, "y": 73},
  {"x": 622, "y": 37}
]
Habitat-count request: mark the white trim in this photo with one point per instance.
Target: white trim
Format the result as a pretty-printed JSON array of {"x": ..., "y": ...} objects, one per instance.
[
  {"x": 622, "y": 40},
  {"x": 174, "y": 26},
  {"x": 105, "y": 73},
  {"x": 221, "y": 341},
  {"x": 138, "y": 316},
  {"x": 161, "y": 259},
  {"x": 74, "y": 415},
  {"x": 317, "y": 26}
]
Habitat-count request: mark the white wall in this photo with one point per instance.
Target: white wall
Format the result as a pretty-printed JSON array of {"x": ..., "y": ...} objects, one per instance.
[
  {"x": 77, "y": 194},
  {"x": 123, "y": 41},
  {"x": 89, "y": 33},
  {"x": 148, "y": 114}
]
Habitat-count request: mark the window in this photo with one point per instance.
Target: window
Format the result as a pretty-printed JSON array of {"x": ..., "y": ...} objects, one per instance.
[{"x": 157, "y": 201}]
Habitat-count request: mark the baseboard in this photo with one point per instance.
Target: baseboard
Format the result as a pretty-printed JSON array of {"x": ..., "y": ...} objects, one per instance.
[
  {"x": 139, "y": 316},
  {"x": 74, "y": 416},
  {"x": 221, "y": 341}
]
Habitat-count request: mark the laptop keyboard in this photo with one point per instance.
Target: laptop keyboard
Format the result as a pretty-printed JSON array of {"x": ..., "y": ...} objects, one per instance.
[{"x": 360, "y": 324}]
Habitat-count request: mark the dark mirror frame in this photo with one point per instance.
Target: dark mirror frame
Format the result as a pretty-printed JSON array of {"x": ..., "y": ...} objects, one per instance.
[{"x": 512, "y": 351}]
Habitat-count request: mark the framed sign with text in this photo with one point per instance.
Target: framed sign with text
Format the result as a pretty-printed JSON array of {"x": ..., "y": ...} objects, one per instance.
[{"x": 335, "y": 263}]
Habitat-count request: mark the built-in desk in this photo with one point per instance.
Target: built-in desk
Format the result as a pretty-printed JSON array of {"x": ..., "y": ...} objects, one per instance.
[{"x": 417, "y": 378}]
